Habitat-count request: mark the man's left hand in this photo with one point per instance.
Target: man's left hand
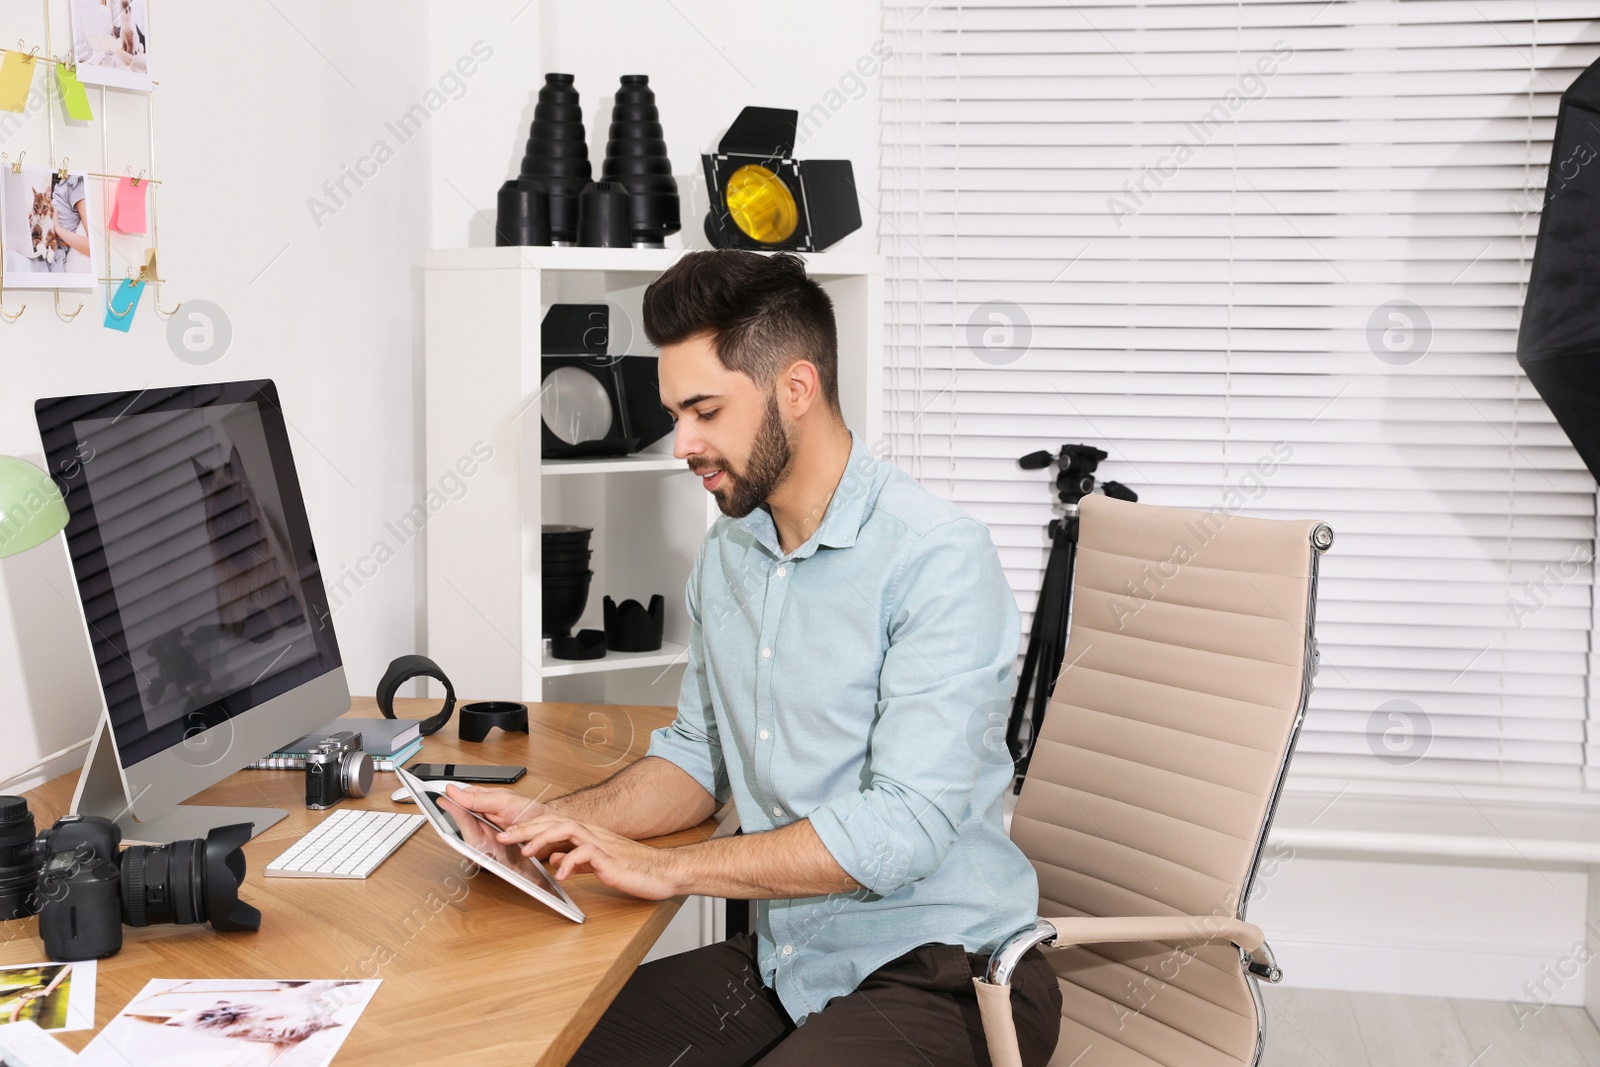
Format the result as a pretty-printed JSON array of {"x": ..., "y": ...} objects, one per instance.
[{"x": 581, "y": 848}]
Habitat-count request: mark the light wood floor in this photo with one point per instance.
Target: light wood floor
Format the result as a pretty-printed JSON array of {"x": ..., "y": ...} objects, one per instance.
[{"x": 1315, "y": 1028}]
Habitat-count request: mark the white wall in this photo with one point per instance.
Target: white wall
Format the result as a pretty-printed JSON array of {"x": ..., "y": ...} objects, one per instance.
[
  {"x": 255, "y": 110},
  {"x": 258, "y": 107}
]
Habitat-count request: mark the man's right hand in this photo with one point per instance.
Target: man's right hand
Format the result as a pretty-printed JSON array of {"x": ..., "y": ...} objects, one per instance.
[
  {"x": 650, "y": 797},
  {"x": 503, "y": 807}
]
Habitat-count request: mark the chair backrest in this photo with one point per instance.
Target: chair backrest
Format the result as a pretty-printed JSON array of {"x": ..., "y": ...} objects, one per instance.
[{"x": 1161, "y": 755}]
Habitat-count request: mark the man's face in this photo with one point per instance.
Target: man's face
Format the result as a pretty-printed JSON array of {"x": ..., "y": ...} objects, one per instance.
[{"x": 726, "y": 426}]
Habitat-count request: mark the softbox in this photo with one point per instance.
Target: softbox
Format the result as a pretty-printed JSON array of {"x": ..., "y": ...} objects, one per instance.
[
  {"x": 593, "y": 404},
  {"x": 1558, "y": 343}
]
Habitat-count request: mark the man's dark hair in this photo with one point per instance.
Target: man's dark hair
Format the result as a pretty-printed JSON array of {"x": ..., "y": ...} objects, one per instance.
[{"x": 762, "y": 313}]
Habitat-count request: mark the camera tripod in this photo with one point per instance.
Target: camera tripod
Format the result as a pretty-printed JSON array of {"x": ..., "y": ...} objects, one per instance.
[{"x": 1047, "y": 639}]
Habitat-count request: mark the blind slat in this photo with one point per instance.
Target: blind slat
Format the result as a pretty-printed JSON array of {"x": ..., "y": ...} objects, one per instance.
[{"x": 1090, "y": 240}]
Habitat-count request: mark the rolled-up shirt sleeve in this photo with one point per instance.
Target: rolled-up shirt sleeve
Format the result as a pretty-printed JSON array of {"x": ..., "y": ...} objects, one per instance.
[
  {"x": 691, "y": 740},
  {"x": 946, "y": 680}
]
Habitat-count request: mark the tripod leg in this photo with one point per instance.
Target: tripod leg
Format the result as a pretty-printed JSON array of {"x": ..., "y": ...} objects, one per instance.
[
  {"x": 1053, "y": 628},
  {"x": 1037, "y": 643},
  {"x": 1019, "y": 703},
  {"x": 1058, "y": 653},
  {"x": 1045, "y": 640}
]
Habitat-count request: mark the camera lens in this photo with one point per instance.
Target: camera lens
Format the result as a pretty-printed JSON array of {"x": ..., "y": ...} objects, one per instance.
[
  {"x": 187, "y": 882},
  {"x": 19, "y": 868},
  {"x": 163, "y": 884},
  {"x": 355, "y": 773}
]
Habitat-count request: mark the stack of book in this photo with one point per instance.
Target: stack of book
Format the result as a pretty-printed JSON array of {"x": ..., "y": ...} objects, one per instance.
[{"x": 390, "y": 741}]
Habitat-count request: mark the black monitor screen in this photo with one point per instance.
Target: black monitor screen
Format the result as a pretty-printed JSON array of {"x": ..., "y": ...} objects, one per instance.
[{"x": 192, "y": 555}]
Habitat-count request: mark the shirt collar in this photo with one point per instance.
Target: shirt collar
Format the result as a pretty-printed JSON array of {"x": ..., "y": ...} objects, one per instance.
[{"x": 847, "y": 512}]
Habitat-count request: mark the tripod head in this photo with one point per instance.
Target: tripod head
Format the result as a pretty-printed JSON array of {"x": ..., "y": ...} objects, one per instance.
[{"x": 1076, "y": 480}]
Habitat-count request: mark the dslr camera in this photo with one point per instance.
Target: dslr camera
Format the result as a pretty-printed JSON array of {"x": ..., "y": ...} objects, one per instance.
[
  {"x": 336, "y": 769},
  {"x": 87, "y": 890}
]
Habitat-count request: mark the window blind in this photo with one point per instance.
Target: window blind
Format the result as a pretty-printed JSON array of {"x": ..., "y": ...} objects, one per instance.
[{"x": 1209, "y": 236}]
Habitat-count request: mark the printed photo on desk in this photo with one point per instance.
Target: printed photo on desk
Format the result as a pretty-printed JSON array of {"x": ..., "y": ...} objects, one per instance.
[
  {"x": 231, "y": 1022},
  {"x": 110, "y": 43},
  {"x": 47, "y": 229},
  {"x": 24, "y": 1044},
  {"x": 56, "y": 996}
]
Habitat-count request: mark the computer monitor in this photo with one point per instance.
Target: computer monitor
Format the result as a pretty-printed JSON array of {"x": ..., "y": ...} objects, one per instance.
[{"x": 202, "y": 598}]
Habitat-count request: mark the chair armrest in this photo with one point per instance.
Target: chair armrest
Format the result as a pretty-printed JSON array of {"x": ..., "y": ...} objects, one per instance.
[{"x": 1091, "y": 930}]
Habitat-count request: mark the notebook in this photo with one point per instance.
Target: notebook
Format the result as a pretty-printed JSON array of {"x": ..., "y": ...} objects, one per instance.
[
  {"x": 290, "y": 761},
  {"x": 390, "y": 741}
]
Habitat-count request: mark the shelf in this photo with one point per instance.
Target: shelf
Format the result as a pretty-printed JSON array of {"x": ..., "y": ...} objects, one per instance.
[
  {"x": 668, "y": 654},
  {"x": 624, "y": 260},
  {"x": 483, "y": 311},
  {"x": 614, "y": 464}
]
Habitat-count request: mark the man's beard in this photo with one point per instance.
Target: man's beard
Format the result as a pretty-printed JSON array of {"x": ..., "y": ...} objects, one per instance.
[{"x": 769, "y": 461}]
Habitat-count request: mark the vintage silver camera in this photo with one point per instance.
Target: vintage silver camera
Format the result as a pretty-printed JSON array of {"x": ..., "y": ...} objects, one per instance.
[{"x": 336, "y": 769}]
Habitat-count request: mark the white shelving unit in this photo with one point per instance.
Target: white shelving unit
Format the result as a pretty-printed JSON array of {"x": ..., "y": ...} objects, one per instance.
[{"x": 483, "y": 310}]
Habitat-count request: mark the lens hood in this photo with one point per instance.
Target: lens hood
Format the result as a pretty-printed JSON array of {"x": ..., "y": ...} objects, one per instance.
[{"x": 224, "y": 867}]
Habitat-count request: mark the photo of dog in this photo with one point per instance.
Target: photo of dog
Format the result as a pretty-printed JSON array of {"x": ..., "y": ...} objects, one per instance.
[
  {"x": 110, "y": 42},
  {"x": 233, "y": 1023},
  {"x": 46, "y": 229}
]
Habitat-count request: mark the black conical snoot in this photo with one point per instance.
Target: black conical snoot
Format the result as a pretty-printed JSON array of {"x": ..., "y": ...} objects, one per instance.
[
  {"x": 557, "y": 156},
  {"x": 636, "y": 159}
]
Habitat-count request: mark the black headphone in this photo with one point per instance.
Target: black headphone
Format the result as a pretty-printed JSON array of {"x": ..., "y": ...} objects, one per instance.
[{"x": 403, "y": 670}]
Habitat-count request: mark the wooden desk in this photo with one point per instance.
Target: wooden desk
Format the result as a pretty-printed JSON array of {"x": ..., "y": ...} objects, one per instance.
[{"x": 474, "y": 971}]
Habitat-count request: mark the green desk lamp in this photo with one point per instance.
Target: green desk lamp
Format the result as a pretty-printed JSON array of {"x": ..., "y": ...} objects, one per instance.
[{"x": 31, "y": 508}]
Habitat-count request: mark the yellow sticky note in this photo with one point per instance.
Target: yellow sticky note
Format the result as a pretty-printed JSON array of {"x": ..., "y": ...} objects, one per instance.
[
  {"x": 73, "y": 97},
  {"x": 16, "y": 78}
]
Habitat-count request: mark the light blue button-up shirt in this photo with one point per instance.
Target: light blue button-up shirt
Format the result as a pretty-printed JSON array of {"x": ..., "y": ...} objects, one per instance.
[{"x": 861, "y": 681}]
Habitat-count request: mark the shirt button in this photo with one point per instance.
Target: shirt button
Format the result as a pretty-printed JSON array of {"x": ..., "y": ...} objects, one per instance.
[
  {"x": 788, "y": 950},
  {"x": 766, "y": 653},
  {"x": 782, "y": 571},
  {"x": 763, "y": 735},
  {"x": 779, "y": 813}
]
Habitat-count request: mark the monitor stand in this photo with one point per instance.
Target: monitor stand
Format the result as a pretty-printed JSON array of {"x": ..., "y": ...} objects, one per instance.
[{"x": 102, "y": 790}]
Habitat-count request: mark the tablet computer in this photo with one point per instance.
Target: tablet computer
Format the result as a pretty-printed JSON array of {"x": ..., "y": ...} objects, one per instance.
[{"x": 473, "y": 836}]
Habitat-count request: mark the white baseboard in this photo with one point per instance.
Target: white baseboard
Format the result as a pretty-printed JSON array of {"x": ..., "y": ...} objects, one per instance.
[{"x": 1521, "y": 974}]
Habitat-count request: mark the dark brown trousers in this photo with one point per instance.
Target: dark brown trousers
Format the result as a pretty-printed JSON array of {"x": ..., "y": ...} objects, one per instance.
[{"x": 709, "y": 1008}]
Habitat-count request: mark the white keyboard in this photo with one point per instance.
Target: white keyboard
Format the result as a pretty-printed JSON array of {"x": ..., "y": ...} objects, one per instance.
[{"x": 347, "y": 844}]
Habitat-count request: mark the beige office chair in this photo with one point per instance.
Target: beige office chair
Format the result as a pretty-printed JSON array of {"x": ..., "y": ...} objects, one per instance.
[{"x": 1153, "y": 782}]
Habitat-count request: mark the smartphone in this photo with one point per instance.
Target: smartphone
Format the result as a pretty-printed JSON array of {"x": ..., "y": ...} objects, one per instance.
[{"x": 466, "y": 772}]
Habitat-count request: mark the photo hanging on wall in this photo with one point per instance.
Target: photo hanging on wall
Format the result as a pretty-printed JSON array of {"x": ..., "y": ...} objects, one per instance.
[
  {"x": 109, "y": 43},
  {"x": 47, "y": 227}
]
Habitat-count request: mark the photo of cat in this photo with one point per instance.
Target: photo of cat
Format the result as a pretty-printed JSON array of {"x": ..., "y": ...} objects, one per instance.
[
  {"x": 110, "y": 43},
  {"x": 46, "y": 229},
  {"x": 232, "y": 1023}
]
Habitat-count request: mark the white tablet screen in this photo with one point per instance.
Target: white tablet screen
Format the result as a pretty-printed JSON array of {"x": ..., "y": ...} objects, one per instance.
[{"x": 477, "y": 834}]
